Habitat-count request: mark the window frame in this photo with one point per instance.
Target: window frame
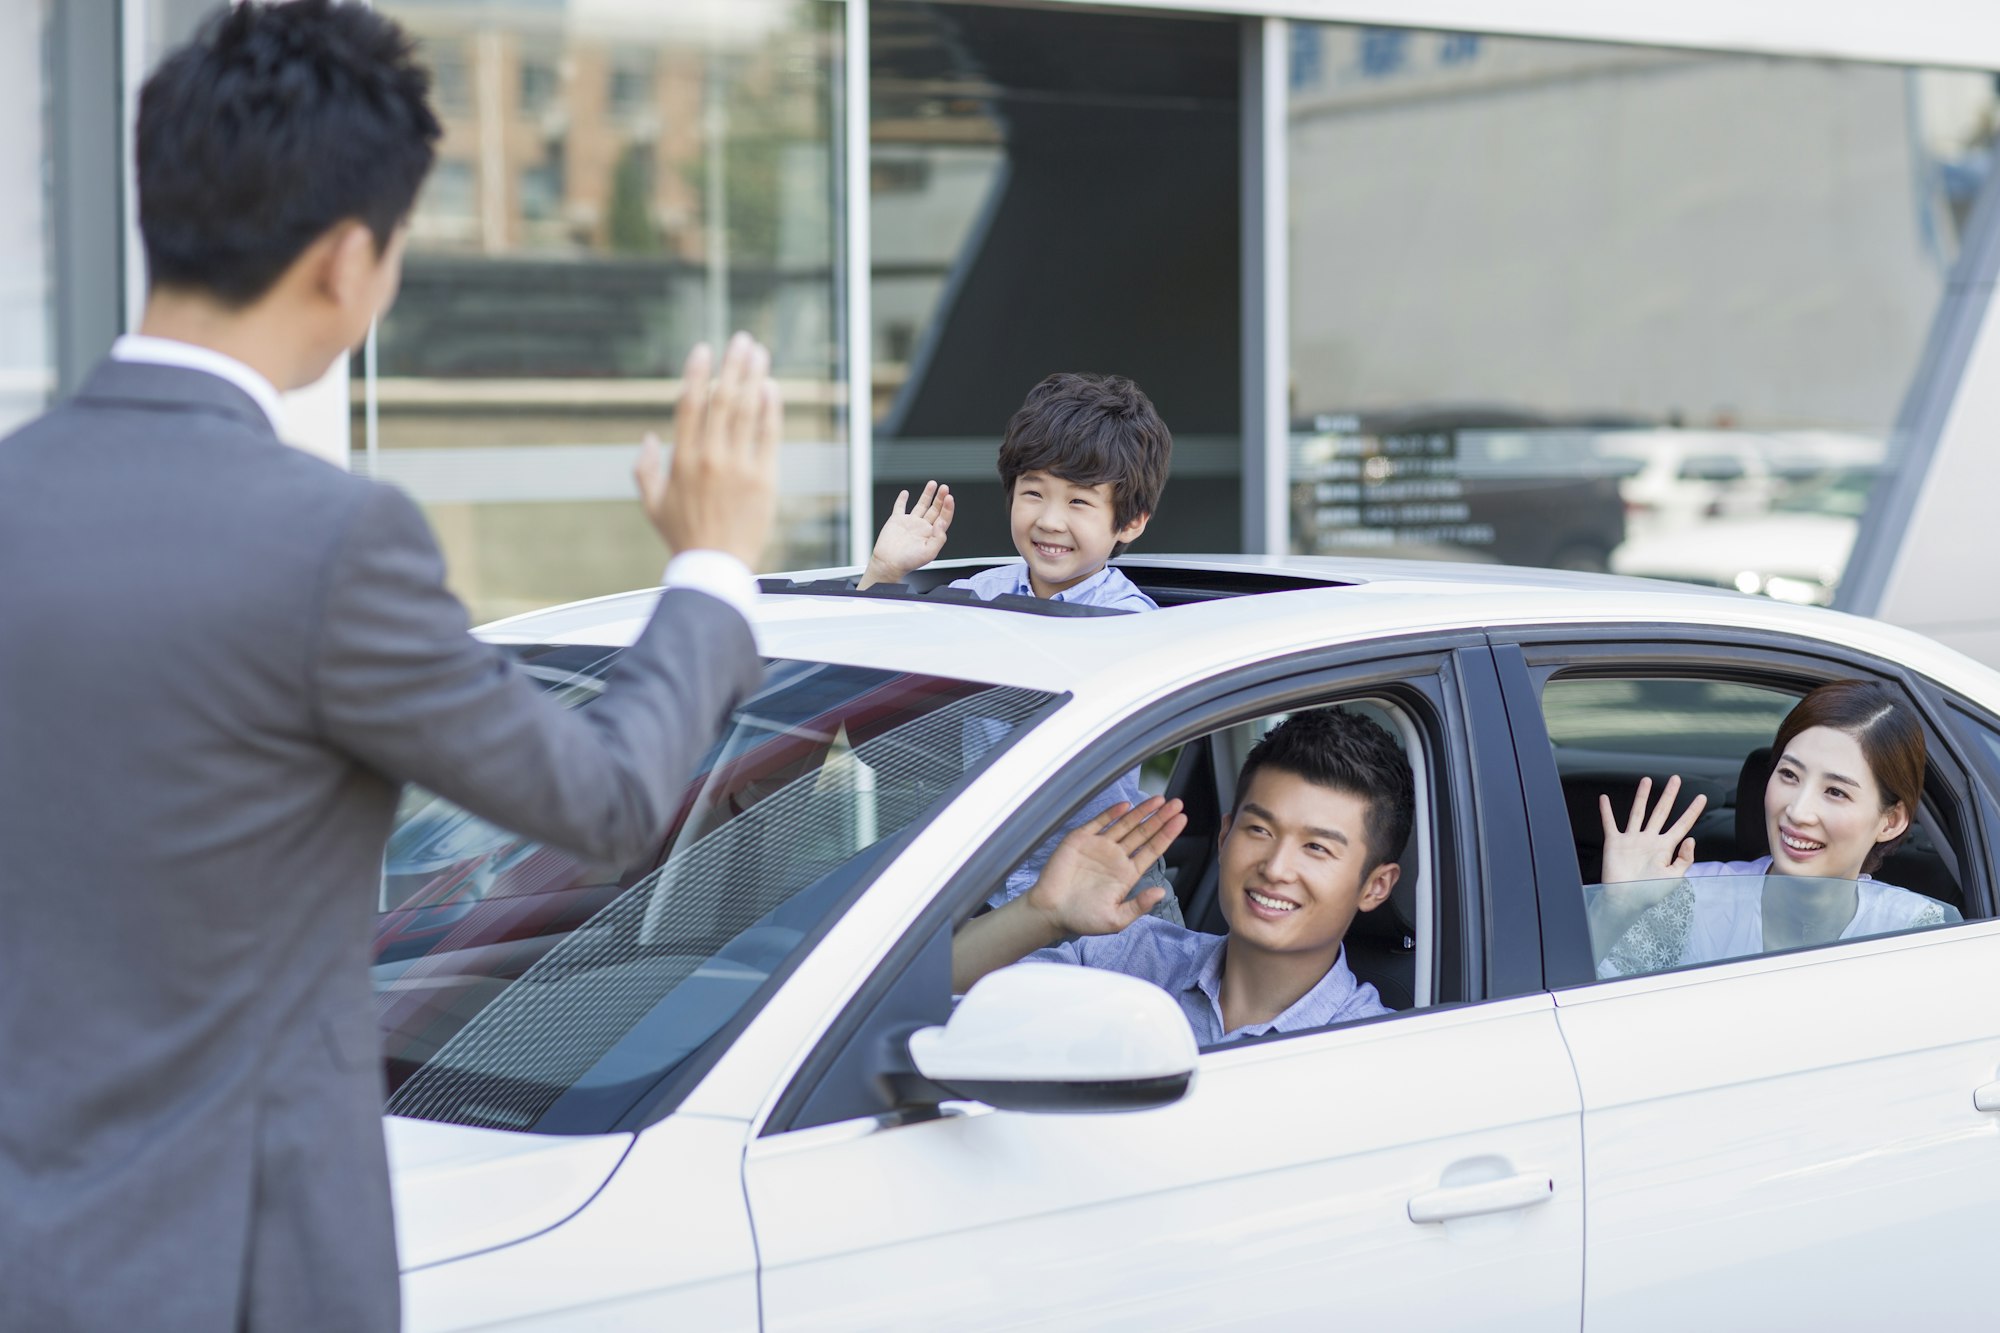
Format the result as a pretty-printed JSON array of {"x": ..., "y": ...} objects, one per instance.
[
  {"x": 1476, "y": 841},
  {"x": 1528, "y": 659}
]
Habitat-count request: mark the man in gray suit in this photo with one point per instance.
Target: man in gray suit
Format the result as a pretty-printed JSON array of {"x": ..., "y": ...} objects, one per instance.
[{"x": 219, "y": 659}]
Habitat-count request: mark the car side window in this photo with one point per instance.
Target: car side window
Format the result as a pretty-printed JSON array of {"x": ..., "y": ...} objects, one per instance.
[
  {"x": 1652, "y": 907},
  {"x": 1388, "y": 947}
]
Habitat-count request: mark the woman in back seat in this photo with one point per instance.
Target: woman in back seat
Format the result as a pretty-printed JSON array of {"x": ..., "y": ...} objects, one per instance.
[{"x": 1848, "y": 771}]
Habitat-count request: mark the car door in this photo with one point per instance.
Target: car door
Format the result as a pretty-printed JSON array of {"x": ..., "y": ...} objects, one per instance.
[
  {"x": 1793, "y": 1140},
  {"x": 1422, "y": 1166}
]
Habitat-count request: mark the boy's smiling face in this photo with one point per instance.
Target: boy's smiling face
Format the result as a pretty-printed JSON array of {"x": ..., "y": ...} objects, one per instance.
[
  {"x": 1295, "y": 867},
  {"x": 1064, "y": 530}
]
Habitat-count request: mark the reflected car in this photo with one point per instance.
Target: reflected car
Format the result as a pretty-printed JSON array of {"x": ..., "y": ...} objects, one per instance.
[
  {"x": 728, "y": 1086},
  {"x": 1682, "y": 478},
  {"x": 1796, "y": 552}
]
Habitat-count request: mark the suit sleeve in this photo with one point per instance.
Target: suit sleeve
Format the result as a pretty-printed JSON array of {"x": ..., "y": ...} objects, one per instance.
[{"x": 402, "y": 686}]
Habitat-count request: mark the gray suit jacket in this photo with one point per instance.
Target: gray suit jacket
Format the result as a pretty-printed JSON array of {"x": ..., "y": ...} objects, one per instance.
[{"x": 219, "y": 657}]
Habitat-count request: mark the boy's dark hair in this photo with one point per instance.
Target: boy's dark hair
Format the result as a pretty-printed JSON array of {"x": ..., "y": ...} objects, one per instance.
[
  {"x": 275, "y": 123},
  {"x": 1090, "y": 429},
  {"x": 1349, "y": 753}
]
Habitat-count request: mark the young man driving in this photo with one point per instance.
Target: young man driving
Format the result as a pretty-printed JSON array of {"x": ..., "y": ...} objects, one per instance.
[{"x": 1324, "y": 805}]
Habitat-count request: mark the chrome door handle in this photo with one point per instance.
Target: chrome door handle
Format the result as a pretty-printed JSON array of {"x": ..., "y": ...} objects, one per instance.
[
  {"x": 1986, "y": 1097},
  {"x": 1492, "y": 1196}
]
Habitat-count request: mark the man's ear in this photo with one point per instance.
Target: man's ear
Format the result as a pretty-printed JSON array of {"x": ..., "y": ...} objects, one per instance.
[
  {"x": 345, "y": 272},
  {"x": 1375, "y": 891},
  {"x": 1222, "y": 834},
  {"x": 1130, "y": 532}
]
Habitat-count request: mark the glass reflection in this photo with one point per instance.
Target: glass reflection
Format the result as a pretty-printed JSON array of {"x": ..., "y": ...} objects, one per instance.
[
  {"x": 1612, "y": 307},
  {"x": 615, "y": 182},
  {"x": 1645, "y": 926},
  {"x": 1053, "y": 189},
  {"x": 27, "y": 312}
]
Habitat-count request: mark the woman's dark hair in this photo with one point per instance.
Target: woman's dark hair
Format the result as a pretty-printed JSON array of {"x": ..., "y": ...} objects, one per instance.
[
  {"x": 1090, "y": 429},
  {"x": 1890, "y": 736},
  {"x": 275, "y": 123},
  {"x": 1348, "y": 753}
]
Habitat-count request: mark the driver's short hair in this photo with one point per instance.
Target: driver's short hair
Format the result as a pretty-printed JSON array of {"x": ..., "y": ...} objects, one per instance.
[{"x": 1349, "y": 753}]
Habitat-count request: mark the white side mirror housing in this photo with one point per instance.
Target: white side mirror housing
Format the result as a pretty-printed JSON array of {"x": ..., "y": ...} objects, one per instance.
[{"x": 1054, "y": 1037}]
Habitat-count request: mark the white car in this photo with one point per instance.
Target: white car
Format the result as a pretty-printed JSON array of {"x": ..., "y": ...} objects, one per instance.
[
  {"x": 1796, "y": 552},
  {"x": 728, "y": 1089},
  {"x": 1683, "y": 478}
]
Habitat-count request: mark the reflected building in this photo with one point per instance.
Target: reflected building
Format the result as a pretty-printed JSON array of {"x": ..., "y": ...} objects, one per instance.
[
  {"x": 614, "y": 184},
  {"x": 1396, "y": 291}
]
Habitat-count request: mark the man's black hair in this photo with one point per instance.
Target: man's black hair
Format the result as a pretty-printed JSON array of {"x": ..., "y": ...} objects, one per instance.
[
  {"x": 1348, "y": 753},
  {"x": 275, "y": 123},
  {"x": 1090, "y": 429}
]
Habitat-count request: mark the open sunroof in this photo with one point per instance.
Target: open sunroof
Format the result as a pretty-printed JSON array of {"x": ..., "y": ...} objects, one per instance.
[{"x": 1169, "y": 585}]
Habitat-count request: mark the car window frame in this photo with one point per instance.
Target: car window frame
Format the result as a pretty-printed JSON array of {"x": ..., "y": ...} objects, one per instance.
[
  {"x": 909, "y": 986},
  {"x": 1528, "y": 659}
]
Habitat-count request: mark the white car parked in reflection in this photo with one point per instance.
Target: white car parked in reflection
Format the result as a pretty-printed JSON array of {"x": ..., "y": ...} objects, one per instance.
[
  {"x": 1795, "y": 552},
  {"x": 727, "y": 1088}
]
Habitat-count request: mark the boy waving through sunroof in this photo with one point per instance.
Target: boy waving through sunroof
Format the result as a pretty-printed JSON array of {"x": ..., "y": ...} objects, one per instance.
[{"x": 1083, "y": 463}]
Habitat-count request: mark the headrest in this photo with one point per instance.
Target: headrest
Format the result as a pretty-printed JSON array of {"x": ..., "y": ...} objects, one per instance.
[{"x": 1753, "y": 839}]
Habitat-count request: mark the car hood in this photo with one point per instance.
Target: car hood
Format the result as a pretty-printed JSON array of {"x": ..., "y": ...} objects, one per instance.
[{"x": 459, "y": 1190}]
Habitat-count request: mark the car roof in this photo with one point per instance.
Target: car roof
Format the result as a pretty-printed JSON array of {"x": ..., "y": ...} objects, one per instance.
[{"x": 1324, "y": 599}]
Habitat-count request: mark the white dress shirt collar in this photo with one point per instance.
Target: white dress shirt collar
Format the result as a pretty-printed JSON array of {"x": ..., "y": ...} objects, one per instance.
[{"x": 140, "y": 347}]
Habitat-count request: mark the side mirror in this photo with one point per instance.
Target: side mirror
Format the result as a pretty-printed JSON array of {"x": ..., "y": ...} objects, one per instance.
[{"x": 1053, "y": 1037}]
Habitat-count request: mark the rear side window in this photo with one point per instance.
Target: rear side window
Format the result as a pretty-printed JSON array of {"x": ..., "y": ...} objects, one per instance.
[
  {"x": 1610, "y": 734},
  {"x": 519, "y": 988}
]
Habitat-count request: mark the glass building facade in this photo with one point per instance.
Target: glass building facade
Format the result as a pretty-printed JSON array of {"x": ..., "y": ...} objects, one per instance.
[
  {"x": 27, "y": 288},
  {"x": 615, "y": 183},
  {"x": 1550, "y": 300},
  {"x": 1591, "y": 306}
]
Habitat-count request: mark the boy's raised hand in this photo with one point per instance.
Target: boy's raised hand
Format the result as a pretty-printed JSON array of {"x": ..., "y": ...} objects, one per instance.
[
  {"x": 1086, "y": 886},
  {"x": 911, "y": 538}
]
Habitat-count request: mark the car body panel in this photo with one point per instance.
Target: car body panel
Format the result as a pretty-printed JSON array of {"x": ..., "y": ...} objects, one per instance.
[
  {"x": 1792, "y": 1139},
  {"x": 665, "y": 1243},
  {"x": 460, "y": 1189},
  {"x": 1277, "y": 1190}
]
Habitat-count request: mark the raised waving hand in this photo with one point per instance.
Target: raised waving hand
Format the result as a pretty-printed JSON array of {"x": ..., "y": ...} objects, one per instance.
[
  {"x": 1085, "y": 889},
  {"x": 1648, "y": 847},
  {"x": 719, "y": 490},
  {"x": 911, "y": 538}
]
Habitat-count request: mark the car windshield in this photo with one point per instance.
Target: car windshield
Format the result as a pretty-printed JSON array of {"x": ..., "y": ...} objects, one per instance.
[{"x": 520, "y": 987}]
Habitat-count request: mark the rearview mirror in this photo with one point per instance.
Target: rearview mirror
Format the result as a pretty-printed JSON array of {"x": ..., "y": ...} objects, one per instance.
[{"x": 1052, "y": 1037}]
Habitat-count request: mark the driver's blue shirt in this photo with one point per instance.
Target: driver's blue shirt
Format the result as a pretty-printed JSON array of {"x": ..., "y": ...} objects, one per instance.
[{"x": 1187, "y": 965}]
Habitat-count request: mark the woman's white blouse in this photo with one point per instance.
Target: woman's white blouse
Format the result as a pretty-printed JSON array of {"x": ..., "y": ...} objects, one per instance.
[{"x": 1717, "y": 912}]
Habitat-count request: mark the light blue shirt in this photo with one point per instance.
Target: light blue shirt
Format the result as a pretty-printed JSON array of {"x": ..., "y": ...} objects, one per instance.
[
  {"x": 1107, "y": 587},
  {"x": 1187, "y": 965}
]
